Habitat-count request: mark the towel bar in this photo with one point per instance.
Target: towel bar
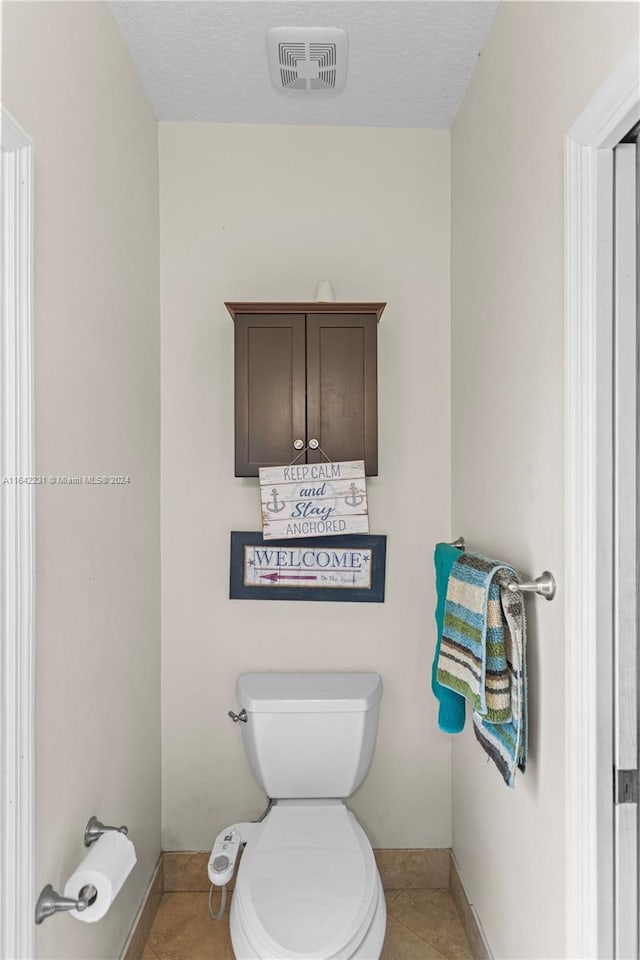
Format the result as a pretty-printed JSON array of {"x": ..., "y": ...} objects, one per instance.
[{"x": 544, "y": 585}]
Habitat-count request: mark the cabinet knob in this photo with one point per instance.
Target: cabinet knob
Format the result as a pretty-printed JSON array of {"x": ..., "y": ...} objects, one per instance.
[
  {"x": 314, "y": 444},
  {"x": 298, "y": 444}
]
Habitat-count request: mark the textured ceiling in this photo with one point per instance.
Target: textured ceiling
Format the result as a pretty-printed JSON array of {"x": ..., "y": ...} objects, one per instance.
[{"x": 409, "y": 60}]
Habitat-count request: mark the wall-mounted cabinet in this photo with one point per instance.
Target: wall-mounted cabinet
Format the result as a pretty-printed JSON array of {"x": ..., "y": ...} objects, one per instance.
[{"x": 303, "y": 372}]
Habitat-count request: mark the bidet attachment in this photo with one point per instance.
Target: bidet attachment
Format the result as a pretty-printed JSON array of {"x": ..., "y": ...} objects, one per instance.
[
  {"x": 242, "y": 716},
  {"x": 222, "y": 861}
]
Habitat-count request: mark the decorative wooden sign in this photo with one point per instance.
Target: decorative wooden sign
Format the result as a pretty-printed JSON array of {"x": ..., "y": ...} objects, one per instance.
[
  {"x": 313, "y": 500},
  {"x": 335, "y": 568}
]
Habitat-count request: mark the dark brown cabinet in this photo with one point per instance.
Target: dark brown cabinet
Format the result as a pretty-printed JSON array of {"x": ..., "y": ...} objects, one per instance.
[{"x": 303, "y": 372}]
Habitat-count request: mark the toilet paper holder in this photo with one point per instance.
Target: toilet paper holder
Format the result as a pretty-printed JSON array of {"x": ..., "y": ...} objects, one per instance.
[
  {"x": 94, "y": 830},
  {"x": 50, "y": 902}
]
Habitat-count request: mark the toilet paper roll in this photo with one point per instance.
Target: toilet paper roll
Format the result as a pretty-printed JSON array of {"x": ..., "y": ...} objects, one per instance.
[{"x": 106, "y": 866}]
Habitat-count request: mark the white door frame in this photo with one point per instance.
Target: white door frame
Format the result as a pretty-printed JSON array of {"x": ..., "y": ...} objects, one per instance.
[
  {"x": 610, "y": 114},
  {"x": 625, "y": 547},
  {"x": 17, "y": 556}
]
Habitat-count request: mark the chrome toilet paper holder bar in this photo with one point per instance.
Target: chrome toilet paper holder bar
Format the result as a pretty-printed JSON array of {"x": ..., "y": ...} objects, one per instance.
[
  {"x": 50, "y": 902},
  {"x": 94, "y": 830}
]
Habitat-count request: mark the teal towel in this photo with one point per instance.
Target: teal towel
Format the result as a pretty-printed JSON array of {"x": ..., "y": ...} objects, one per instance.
[{"x": 451, "y": 710}]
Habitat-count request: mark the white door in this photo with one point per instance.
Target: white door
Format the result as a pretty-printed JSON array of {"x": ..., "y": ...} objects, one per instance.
[{"x": 625, "y": 430}]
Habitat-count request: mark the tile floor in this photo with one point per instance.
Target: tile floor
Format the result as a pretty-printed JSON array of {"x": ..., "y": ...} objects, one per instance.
[{"x": 421, "y": 925}]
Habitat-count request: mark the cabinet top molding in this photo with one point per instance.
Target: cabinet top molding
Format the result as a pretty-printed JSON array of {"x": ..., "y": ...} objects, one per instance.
[{"x": 308, "y": 307}]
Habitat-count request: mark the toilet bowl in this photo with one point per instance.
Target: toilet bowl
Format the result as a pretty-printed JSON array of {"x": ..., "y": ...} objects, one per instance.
[{"x": 308, "y": 888}]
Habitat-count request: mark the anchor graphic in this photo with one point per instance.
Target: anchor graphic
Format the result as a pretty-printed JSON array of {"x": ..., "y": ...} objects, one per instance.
[
  {"x": 275, "y": 506},
  {"x": 356, "y": 497}
]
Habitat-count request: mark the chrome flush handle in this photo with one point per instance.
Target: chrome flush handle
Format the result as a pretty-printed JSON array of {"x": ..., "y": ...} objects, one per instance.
[{"x": 242, "y": 716}]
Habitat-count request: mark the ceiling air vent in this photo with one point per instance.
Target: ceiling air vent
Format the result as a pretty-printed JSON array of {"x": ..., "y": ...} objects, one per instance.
[{"x": 307, "y": 59}]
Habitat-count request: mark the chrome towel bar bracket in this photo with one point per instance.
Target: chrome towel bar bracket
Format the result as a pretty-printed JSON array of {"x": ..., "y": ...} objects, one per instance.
[{"x": 544, "y": 585}]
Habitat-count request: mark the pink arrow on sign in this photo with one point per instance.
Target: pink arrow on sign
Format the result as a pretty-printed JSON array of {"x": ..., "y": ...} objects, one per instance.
[{"x": 283, "y": 576}]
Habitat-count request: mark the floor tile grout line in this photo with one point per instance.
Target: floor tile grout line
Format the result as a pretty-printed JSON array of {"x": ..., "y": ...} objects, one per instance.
[
  {"x": 443, "y": 952},
  {"x": 422, "y": 939}
]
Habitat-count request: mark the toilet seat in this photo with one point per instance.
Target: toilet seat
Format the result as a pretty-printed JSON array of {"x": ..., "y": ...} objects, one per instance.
[{"x": 307, "y": 886}]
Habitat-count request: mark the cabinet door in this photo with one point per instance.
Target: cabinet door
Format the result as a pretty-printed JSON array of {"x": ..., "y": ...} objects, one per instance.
[
  {"x": 269, "y": 389},
  {"x": 342, "y": 411}
]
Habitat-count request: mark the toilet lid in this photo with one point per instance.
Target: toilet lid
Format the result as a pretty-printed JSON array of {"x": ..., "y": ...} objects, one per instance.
[{"x": 307, "y": 885}]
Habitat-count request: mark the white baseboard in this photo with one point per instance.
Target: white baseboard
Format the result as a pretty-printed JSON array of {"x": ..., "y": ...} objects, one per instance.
[
  {"x": 470, "y": 920},
  {"x": 137, "y": 939}
]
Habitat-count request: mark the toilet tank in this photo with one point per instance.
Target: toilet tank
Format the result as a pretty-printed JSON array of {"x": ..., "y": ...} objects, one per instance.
[{"x": 309, "y": 735}]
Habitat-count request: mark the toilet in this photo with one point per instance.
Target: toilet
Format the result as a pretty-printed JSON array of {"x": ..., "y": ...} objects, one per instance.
[{"x": 307, "y": 886}]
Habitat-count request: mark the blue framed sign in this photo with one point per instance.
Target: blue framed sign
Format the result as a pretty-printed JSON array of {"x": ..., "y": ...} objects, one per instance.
[{"x": 346, "y": 568}]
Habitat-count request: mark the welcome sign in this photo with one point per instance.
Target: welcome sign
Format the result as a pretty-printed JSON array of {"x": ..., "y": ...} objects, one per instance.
[
  {"x": 343, "y": 568},
  {"x": 313, "y": 500},
  {"x": 280, "y": 566}
]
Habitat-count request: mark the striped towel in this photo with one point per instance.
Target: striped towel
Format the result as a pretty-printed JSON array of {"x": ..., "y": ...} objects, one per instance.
[
  {"x": 472, "y": 651},
  {"x": 506, "y": 743},
  {"x": 482, "y": 656}
]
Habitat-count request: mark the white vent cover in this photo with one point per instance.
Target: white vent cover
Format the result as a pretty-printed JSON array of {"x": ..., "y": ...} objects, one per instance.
[{"x": 307, "y": 59}]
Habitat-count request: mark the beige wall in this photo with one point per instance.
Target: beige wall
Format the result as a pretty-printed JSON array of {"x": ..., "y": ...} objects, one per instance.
[
  {"x": 69, "y": 82},
  {"x": 541, "y": 64},
  {"x": 263, "y": 212}
]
